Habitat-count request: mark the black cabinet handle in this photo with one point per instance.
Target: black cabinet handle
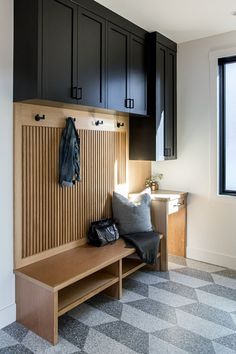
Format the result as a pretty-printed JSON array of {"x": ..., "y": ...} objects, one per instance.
[
  {"x": 167, "y": 152},
  {"x": 74, "y": 93},
  {"x": 77, "y": 93},
  {"x": 127, "y": 103}
]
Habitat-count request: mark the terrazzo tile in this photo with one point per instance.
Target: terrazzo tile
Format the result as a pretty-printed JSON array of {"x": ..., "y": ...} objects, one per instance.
[
  {"x": 221, "y": 349},
  {"x": 158, "y": 346},
  {"x": 233, "y": 316},
  {"x": 6, "y": 340},
  {"x": 228, "y": 341},
  {"x": 73, "y": 331},
  {"x": 16, "y": 349},
  {"x": 63, "y": 347},
  {"x": 162, "y": 275},
  {"x": 187, "y": 280},
  {"x": 136, "y": 286},
  {"x": 227, "y": 282},
  {"x": 173, "y": 266},
  {"x": 200, "y": 326},
  {"x": 35, "y": 343},
  {"x": 167, "y": 298},
  {"x": 178, "y": 260},
  {"x": 143, "y": 320},
  {"x": 211, "y": 314},
  {"x": 195, "y": 273},
  {"x": 98, "y": 343},
  {"x": 17, "y": 331},
  {"x": 220, "y": 290},
  {"x": 186, "y": 340},
  {"x": 129, "y": 296},
  {"x": 155, "y": 308},
  {"x": 106, "y": 304},
  {"x": 206, "y": 267},
  {"x": 126, "y": 334},
  {"x": 90, "y": 316},
  {"x": 218, "y": 302},
  {"x": 147, "y": 278},
  {"x": 178, "y": 289},
  {"x": 228, "y": 273}
]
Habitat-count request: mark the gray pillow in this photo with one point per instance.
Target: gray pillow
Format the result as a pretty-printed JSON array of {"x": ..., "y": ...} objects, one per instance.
[{"x": 132, "y": 217}]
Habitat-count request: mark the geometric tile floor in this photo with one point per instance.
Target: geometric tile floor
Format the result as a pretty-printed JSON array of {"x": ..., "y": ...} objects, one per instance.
[{"x": 190, "y": 309}]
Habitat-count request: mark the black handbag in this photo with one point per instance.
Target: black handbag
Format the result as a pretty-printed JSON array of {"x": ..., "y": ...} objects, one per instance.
[{"x": 102, "y": 232}]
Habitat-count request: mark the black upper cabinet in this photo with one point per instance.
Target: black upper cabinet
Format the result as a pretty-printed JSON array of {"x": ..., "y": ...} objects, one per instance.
[
  {"x": 59, "y": 50},
  {"x": 64, "y": 52},
  {"x": 154, "y": 138},
  {"x": 91, "y": 59},
  {"x": 126, "y": 71},
  {"x": 117, "y": 68},
  {"x": 138, "y": 76}
]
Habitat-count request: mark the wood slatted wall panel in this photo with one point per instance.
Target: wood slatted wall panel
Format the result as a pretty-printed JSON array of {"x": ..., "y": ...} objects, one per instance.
[{"x": 53, "y": 216}]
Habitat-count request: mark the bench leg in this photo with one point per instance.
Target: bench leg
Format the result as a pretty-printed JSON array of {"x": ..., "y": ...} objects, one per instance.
[
  {"x": 116, "y": 289},
  {"x": 164, "y": 254},
  {"x": 36, "y": 309}
]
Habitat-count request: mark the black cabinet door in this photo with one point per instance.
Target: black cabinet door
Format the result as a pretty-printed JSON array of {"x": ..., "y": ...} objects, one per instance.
[
  {"x": 138, "y": 76},
  {"x": 117, "y": 69},
  {"x": 165, "y": 103},
  {"x": 160, "y": 101},
  {"x": 170, "y": 105},
  {"x": 91, "y": 59},
  {"x": 59, "y": 50}
]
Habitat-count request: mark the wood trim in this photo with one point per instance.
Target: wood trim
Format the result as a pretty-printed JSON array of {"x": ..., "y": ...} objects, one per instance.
[{"x": 139, "y": 171}]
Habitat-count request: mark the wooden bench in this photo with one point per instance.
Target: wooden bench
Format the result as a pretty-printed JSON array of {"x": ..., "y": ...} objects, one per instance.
[{"x": 49, "y": 288}]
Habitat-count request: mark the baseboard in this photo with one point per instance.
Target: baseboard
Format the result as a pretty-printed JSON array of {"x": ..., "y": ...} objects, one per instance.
[
  {"x": 219, "y": 259},
  {"x": 7, "y": 315}
]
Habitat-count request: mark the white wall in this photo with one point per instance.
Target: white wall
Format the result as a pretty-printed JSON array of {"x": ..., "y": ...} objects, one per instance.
[
  {"x": 7, "y": 291},
  {"x": 211, "y": 218}
]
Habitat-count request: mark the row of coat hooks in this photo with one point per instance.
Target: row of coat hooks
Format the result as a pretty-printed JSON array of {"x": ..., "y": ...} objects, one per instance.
[{"x": 39, "y": 117}]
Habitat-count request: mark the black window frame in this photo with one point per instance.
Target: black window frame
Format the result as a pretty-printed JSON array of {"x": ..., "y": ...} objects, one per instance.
[{"x": 222, "y": 62}]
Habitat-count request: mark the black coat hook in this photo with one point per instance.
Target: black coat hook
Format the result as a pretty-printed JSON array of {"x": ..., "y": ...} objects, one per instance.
[
  {"x": 99, "y": 122},
  {"x": 119, "y": 124},
  {"x": 38, "y": 117}
]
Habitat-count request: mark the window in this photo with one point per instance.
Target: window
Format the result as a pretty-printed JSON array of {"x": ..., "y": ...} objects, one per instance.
[{"x": 227, "y": 126}]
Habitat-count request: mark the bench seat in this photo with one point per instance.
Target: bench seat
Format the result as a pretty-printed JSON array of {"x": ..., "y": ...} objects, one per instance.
[{"x": 51, "y": 287}]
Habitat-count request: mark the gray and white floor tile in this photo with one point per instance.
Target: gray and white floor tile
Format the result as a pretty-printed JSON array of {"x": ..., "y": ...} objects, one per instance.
[{"x": 190, "y": 309}]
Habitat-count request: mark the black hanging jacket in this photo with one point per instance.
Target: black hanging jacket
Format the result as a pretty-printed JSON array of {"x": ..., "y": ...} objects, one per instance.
[{"x": 69, "y": 162}]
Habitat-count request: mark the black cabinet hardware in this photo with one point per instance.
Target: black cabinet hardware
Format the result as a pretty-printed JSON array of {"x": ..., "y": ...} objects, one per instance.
[
  {"x": 167, "y": 152},
  {"x": 38, "y": 117},
  {"x": 119, "y": 124},
  {"x": 79, "y": 93},
  {"x": 74, "y": 93},
  {"x": 99, "y": 122}
]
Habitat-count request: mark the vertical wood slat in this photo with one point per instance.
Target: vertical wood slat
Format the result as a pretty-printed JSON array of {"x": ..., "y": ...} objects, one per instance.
[{"x": 53, "y": 216}]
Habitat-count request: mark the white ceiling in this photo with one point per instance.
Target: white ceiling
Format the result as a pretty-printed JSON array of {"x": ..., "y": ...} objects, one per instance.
[{"x": 180, "y": 20}]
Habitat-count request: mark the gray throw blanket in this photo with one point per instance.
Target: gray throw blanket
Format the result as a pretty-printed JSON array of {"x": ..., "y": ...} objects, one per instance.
[{"x": 146, "y": 244}]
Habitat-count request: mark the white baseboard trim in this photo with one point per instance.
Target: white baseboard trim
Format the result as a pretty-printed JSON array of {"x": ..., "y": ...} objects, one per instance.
[
  {"x": 219, "y": 259},
  {"x": 7, "y": 315}
]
